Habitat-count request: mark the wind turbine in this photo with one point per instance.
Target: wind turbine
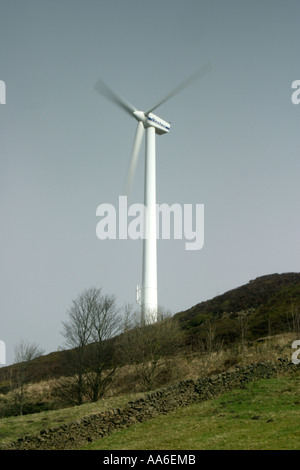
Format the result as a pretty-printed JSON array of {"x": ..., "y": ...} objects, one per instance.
[{"x": 152, "y": 124}]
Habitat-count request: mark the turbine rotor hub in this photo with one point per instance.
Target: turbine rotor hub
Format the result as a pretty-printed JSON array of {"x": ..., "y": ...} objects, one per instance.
[{"x": 140, "y": 116}]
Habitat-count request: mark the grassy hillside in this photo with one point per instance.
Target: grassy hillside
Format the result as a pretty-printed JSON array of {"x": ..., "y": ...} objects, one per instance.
[
  {"x": 270, "y": 308},
  {"x": 270, "y": 303},
  {"x": 14, "y": 427},
  {"x": 263, "y": 416},
  {"x": 275, "y": 407}
]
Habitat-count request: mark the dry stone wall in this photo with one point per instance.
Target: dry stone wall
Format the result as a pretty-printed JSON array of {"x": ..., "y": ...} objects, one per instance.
[{"x": 76, "y": 434}]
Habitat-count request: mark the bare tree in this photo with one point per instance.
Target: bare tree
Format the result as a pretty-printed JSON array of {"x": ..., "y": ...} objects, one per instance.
[
  {"x": 208, "y": 340},
  {"x": 242, "y": 325},
  {"x": 209, "y": 343},
  {"x": 294, "y": 316},
  {"x": 149, "y": 347},
  {"x": 102, "y": 362},
  {"x": 93, "y": 321},
  {"x": 24, "y": 352},
  {"x": 77, "y": 332}
]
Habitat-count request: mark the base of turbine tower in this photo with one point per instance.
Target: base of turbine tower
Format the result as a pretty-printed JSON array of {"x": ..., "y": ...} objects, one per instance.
[{"x": 149, "y": 314}]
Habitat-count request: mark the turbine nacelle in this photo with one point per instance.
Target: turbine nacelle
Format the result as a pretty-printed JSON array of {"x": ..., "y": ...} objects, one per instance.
[
  {"x": 150, "y": 119},
  {"x": 161, "y": 126}
]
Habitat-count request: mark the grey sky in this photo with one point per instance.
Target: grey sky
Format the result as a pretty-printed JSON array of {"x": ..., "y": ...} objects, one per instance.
[{"x": 233, "y": 146}]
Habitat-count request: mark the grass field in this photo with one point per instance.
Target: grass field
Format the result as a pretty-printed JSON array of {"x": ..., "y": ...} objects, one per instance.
[
  {"x": 263, "y": 416},
  {"x": 18, "y": 426}
]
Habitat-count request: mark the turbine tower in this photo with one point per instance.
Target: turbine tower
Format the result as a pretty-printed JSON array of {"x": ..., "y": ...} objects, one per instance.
[{"x": 152, "y": 125}]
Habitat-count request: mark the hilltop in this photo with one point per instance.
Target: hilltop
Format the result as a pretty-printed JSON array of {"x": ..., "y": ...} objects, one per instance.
[{"x": 271, "y": 304}]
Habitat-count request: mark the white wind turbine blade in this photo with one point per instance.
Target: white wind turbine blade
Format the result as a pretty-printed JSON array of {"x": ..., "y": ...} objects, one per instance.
[
  {"x": 106, "y": 91},
  {"x": 188, "y": 81},
  {"x": 134, "y": 157}
]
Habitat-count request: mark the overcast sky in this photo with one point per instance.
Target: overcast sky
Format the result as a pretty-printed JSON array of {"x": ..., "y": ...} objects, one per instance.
[{"x": 233, "y": 146}]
